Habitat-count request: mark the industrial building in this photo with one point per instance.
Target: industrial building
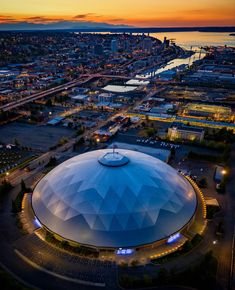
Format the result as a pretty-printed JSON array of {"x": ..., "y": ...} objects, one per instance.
[{"x": 208, "y": 111}]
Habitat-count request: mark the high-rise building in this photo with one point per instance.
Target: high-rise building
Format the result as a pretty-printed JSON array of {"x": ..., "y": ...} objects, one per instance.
[
  {"x": 126, "y": 46},
  {"x": 114, "y": 46},
  {"x": 166, "y": 42}
]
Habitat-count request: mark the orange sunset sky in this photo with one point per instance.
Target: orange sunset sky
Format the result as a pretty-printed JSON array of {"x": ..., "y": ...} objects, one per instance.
[{"x": 142, "y": 13}]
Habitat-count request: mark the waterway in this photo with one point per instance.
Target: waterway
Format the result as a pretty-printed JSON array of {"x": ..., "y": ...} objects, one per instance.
[
  {"x": 173, "y": 64},
  {"x": 196, "y": 39},
  {"x": 193, "y": 41}
]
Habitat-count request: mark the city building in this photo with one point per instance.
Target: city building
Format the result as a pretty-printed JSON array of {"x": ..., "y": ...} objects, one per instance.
[
  {"x": 105, "y": 98},
  {"x": 98, "y": 49},
  {"x": 107, "y": 131},
  {"x": 111, "y": 200},
  {"x": 114, "y": 46},
  {"x": 208, "y": 111},
  {"x": 147, "y": 44},
  {"x": 119, "y": 89},
  {"x": 163, "y": 109},
  {"x": 181, "y": 131},
  {"x": 80, "y": 98},
  {"x": 166, "y": 42}
]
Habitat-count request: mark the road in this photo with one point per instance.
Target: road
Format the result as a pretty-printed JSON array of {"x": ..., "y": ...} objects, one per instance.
[
  {"x": 226, "y": 271},
  {"x": 38, "y": 164},
  {"x": 10, "y": 259},
  {"x": 23, "y": 101},
  {"x": 57, "y": 89}
]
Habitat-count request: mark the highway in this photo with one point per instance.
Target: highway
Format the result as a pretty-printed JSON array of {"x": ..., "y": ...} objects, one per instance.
[
  {"x": 23, "y": 101},
  {"x": 60, "y": 88}
]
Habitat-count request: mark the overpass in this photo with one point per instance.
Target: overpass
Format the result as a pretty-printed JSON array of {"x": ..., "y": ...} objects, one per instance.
[
  {"x": 57, "y": 89},
  {"x": 120, "y": 77},
  {"x": 36, "y": 96}
]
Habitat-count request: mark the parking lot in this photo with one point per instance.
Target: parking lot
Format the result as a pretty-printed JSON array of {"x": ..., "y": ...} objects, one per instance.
[
  {"x": 181, "y": 150},
  {"x": 64, "y": 263},
  {"x": 36, "y": 137},
  {"x": 11, "y": 156}
]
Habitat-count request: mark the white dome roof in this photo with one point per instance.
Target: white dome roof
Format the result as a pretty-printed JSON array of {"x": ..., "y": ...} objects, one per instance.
[{"x": 114, "y": 200}]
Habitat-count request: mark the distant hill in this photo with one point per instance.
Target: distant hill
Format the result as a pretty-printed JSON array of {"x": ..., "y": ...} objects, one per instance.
[
  {"x": 87, "y": 26},
  {"x": 60, "y": 25},
  {"x": 177, "y": 29}
]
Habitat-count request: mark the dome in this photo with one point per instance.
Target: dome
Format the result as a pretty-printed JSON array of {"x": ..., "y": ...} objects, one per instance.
[{"x": 120, "y": 199}]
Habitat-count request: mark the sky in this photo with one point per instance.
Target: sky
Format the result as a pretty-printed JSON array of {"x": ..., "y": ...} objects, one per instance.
[{"x": 140, "y": 13}]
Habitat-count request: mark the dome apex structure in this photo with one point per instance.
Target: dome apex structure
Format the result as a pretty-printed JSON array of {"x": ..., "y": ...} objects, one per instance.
[
  {"x": 114, "y": 199},
  {"x": 113, "y": 159}
]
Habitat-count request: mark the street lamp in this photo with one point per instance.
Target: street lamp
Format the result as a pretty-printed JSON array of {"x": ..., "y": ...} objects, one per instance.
[{"x": 223, "y": 172}]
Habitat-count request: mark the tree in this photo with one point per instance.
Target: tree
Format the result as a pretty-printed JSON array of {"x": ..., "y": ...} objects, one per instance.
[
  {"x": 147, "y": 280},
  {"x": 16, "y": 142},
  {"x": 150, "y": 132},
  {"x": 5, "y": 187},
  {"x": 173, "y": 151},
  {"x": 203, "y": 182},
  {"x": 80, "y": 131},
  {"x": 64, "y": 244},
  {"x": 49, "y": 103},
  {"x": 13, "y": 207},
  {"x": 23, "y": 186},
  {"x": 63, "y": 141},
  {"x": 52, "y": 162},
  {"x": 79, "y": 142},
  {"x": 187, "y": 246},
  {"x": 70, "y": 124},
  {"x": 134, "y": 263},
  {"x": 222, "y": 187},
  {"x": 162, "y": 276}
]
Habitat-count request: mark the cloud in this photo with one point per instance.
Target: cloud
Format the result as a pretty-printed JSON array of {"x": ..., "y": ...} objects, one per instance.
[
  {"x": 82, "y": 16},
  {"x": 42, "y": 19},
  {"x": 116, "y": 19},
  {"x": 4, "y": 18}
]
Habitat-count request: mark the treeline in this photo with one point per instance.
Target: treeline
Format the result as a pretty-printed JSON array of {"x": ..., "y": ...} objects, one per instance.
[
  {"x": 80, "y": 250},
  {"x": 5, "y": 187},
  {"x": 16, "y": 204},
  {"x": 209, "y": 157},
  {"x": 201, "y": 276}
]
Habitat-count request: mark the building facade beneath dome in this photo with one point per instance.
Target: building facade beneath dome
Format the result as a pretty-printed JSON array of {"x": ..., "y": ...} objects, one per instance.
[{"x": 107, "y": 199}]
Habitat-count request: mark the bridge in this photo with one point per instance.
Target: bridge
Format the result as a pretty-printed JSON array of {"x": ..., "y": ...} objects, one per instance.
[
  {"x": 36, "y": 96},
  {"x": 60, "y": 88}
]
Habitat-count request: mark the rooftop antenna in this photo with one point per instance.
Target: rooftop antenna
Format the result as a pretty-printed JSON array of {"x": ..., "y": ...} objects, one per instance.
[{"x": 114, "y": 147}]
